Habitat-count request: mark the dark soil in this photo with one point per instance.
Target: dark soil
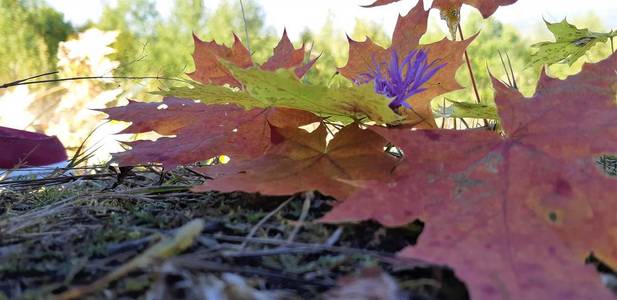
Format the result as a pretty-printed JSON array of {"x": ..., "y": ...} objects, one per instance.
[{"x": 63, "y": 232}]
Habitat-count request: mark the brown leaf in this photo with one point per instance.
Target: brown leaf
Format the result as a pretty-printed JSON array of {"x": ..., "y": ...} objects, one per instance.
[{"x": 301, "y": 161}]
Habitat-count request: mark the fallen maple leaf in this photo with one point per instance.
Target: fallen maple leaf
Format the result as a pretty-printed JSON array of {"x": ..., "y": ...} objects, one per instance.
[
  {"x": 364, "y": 56},
  {"x": 302, "y": 161},
  {"x": 201, "y": 131},
  {"x": 287, "y": 57},
  {"x": 210, "y": 70},
  {"x": 514, "y": 215},
  {"x": 263, "y": 89}
]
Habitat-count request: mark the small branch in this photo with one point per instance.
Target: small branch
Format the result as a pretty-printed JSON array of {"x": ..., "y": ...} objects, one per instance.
[
  {"x": 443, "y": 114},
  {"x": 26, "y": 82},
  {"x": 308, "y": 198},
  {"x": 263, "y": 221},
  {"x": 246, "y": 28}
]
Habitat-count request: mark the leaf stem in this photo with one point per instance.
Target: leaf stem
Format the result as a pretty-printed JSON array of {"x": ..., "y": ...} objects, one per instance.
[
  {"x": 471, "y": 75},
  {"x": 27, "y": 82},
  {"x": 473, "y": 78}
]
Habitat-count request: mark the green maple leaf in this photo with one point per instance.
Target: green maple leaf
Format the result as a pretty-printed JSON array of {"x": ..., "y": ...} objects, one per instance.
[
  {"x": 570, "y": 44},
  {"x": 282, "y": 88},
  {"x": 459, "y": 109},
  {"x": 214, "y": 94}
]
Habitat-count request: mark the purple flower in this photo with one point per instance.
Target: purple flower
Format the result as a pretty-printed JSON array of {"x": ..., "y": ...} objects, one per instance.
[{"x": 405, "y": 80}]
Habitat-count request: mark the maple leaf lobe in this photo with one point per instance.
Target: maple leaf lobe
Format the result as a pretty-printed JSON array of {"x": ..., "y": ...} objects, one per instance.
[{"x": 518, "y": 208}]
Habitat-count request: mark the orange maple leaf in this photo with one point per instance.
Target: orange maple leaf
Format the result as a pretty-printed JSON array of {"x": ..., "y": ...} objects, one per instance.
[
  {"x": 209, "y": 69},
  {"x": 364, "y": 56}
]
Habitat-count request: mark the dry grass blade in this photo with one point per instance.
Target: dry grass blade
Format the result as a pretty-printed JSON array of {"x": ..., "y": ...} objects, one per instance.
[
  {"x": 77, "y": 234},
  {"x": 183, "y": 239},
  {"x": 308, "y": 198},
  {"x": 263, "y": 221}
]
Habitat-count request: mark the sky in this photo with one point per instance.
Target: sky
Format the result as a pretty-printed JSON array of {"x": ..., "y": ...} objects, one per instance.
[{"x": 296, "y": 15}]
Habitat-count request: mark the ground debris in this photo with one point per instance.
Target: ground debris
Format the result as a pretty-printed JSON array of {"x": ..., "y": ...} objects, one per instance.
[{"x": 92, "y": 229}]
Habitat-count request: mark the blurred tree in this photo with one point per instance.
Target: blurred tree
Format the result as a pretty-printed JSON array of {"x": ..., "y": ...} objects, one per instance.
[
  {"x": 135, "y": 21},
  {"x": 50, "y": 25},
  {"x": 173, "y": 44},
  {"x": 29, "y": 34},
  {"x": 334, "y": 48},
  {"x": 227, "y": 19},
  {"x": 150, "y": 44},
  {"x": 370, "y": 29},
  {"x": 493, "y": 37}
]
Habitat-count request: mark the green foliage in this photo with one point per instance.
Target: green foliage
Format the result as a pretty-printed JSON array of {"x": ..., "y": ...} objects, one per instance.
[
  {"x": 145, "y": 38},
  {"x": 229, "y": 16},
  {"x": 484, "y": 54},
  {"x": 148, "y": 44},
  {"x": 29, "y": 35},
  {"x": 214, "y": 94},
  {"x": 331, "y": 44},
  {"x": 593, "y": 54},
  {"x": 471, "y": 110},
  {"x": 283, "y": 89},
  {"x": 570, "y": 44}
]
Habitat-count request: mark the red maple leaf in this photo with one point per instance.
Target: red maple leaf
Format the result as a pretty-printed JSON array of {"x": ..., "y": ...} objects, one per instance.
[
  {"x": 514, "y": 215},
  {"x": 286, "y": 56},
  {"x": 201, "y": 131},
  {"x": 486, "y": 7},
  {"x": 380, "y": 3},
  {"x": 209, "y": 69},
  {"x": 303, "y": 161},
  {"x": 204, "y": 131},
  {"x": 364, "y": 56}
]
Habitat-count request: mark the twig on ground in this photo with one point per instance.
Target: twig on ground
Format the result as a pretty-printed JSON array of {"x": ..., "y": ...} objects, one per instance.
[
  {"x": 306, "y": 206},
  {"x": 263, "y": 221}
]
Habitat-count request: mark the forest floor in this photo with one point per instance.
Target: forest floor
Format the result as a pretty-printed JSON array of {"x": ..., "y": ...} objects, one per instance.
[{"x": 105, "y": 233}]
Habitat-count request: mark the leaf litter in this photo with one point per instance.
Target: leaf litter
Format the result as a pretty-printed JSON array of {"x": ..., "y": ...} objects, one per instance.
[{"x": 91, "y": 235}]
